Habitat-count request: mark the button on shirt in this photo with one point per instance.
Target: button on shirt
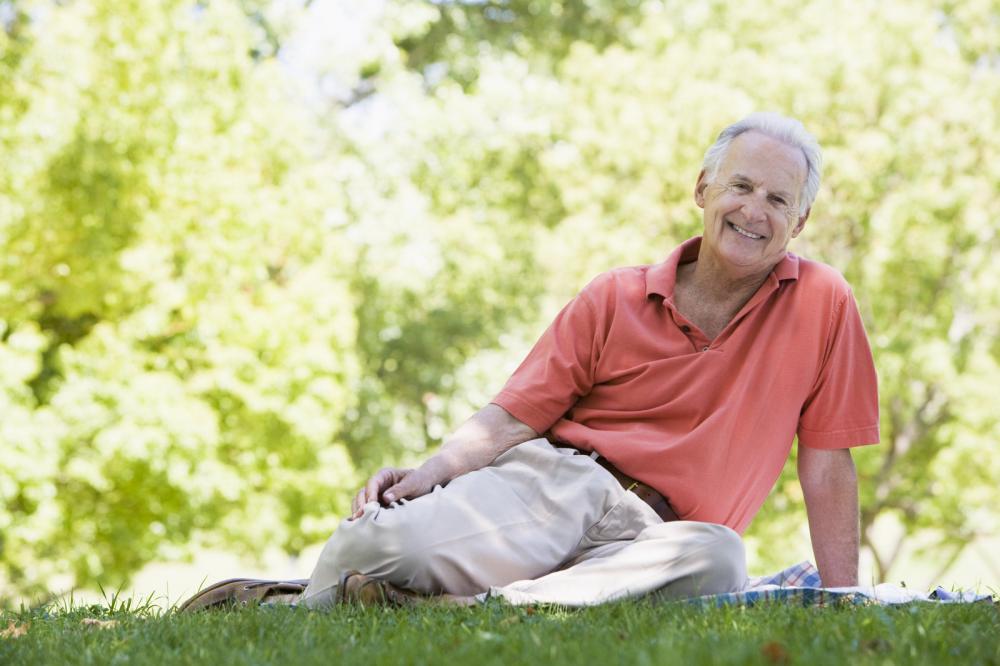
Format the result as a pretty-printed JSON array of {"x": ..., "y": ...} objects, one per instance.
[{"x": 708, "y": 423}]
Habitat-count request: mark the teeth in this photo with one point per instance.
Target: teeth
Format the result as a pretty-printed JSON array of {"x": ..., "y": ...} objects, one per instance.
[{"x": 744, "y": 232}]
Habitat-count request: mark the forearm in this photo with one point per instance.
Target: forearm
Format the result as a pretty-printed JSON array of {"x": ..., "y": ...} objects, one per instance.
[
  {"x": 830, "y": 488},
  {"x": 476, "y": 443}
]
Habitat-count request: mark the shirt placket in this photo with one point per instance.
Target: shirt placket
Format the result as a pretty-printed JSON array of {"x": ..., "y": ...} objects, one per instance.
[{"x": 699, "y": 341}]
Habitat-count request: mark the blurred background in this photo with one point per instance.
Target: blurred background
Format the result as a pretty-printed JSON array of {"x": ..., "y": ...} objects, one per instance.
[{"x": 253, "y": 250}]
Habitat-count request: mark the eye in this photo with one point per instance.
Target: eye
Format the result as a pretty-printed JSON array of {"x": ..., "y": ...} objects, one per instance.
[
  {"x": 779, "y": 201},
  {"x": 740, "y": 187}
]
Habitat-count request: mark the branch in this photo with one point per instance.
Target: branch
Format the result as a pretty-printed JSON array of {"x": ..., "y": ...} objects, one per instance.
[
  {"x": 869, "y": 544},
  {"x": 959, "y": 548},
  {"x": 904, "y": 437},
  {"x": 906, "y": 433},
  {"x": 895, "y": 554},
  {"x": 990, "y": 561}
]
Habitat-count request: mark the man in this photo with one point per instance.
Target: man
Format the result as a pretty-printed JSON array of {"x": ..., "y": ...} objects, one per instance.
[
  {"x": 659, "y": 392},
  {"x": 691, "y": 376}
]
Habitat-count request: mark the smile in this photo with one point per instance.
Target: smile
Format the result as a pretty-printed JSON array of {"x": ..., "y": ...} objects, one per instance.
[{"x": 743, "y": 232}]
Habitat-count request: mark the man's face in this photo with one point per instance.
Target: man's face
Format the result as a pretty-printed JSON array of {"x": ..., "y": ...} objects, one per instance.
[{"x": 751, "y": 207}]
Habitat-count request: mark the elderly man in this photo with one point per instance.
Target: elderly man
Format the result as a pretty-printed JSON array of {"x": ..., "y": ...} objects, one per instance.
[
  {"x": 648, "y": 424},
  {"x": 686, "y": 381}
]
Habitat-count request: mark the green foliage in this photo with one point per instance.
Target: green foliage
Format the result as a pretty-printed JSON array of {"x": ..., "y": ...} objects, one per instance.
[
  {"x": 543, "y": 30},
  {"x": 215, "y": 307},
  {"x": 446, "y": 257},
  {"x": 180, "y": 317},
  {"x": 224, "y": 300}
]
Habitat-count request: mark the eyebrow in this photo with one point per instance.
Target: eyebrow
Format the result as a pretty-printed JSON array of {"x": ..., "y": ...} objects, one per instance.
[{"x": 747, "y": 179}]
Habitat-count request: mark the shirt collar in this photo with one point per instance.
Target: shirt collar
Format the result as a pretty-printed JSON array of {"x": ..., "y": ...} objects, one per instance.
[{"x": 661, "y": 278}]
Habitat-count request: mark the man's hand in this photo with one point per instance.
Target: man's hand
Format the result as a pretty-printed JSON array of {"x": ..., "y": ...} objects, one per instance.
[
  {"x": 475, "y": 444},
  {"x": 830, "y": 488},
  {"x": 388, "y": 485}
]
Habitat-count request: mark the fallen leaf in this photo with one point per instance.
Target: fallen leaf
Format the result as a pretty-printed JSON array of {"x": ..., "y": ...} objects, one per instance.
[
  {"x": 13, "y": 630},
  {"x": 774, "y": 652},
  {"x": 98, "y": 624},
  {"x": 876, "y": 645}
]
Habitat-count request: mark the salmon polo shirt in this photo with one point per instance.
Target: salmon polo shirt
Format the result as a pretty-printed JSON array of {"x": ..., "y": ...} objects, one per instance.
[{"x": 708, "y": 423}]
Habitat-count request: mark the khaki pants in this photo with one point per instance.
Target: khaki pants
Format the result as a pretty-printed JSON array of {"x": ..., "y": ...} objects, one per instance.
[{"x": 539, "y": 525}]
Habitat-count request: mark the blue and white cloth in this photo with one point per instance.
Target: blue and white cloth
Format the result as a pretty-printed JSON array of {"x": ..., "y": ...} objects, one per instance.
[{"x": 801, "y": 585}]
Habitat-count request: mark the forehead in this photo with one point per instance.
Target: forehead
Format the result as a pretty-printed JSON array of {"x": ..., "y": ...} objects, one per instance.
[{"x": 766, "y": 161}]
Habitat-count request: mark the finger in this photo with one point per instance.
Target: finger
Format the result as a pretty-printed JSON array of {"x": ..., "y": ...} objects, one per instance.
[
  {"x": 358, "y": 503},
  {"x": 373, "y": 488},
  {"x": 404, "y": 488}
]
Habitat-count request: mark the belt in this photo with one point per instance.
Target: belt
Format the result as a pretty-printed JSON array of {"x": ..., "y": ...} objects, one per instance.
[{"x": 646, "y": 493}]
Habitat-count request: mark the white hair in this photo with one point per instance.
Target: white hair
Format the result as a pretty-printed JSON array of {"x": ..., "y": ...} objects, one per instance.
[{"x": 777, "y": 127}]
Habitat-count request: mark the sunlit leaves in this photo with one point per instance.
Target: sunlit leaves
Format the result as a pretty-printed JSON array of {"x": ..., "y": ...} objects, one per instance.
[
  {"x": 230, "y": 285},
  {"x": 181, "y": 324}
]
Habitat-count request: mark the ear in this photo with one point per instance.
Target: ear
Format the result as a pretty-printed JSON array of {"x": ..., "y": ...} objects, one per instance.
[
  {"x": 699, "y": 189},
  {"x": 801, "y": 224}
]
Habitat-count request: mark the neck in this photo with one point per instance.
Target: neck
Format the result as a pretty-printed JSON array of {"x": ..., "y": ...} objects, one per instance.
[{"x": 720, "y": 283}]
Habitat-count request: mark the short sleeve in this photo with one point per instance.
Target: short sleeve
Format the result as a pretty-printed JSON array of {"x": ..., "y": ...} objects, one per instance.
[
  {"x": 559, "y": 369},
  {"x": 842, "y": 408}
]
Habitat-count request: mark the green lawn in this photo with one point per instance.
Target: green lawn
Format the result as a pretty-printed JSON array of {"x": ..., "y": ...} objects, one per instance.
[{"x": 627, "y": 633}]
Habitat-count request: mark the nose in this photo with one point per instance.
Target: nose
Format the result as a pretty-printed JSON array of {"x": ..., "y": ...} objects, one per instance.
[{"x": 754, "y": 209}]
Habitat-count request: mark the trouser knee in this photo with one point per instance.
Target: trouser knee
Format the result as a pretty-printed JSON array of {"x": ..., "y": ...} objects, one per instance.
[
  {"x": 724, "y": 561},
  {"x": 384, "y": 546}
]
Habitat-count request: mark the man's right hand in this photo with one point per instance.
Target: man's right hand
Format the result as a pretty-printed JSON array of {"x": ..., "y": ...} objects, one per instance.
[
  {"x": 388, "y": 485},
  {"x": 476, "y": 443}
]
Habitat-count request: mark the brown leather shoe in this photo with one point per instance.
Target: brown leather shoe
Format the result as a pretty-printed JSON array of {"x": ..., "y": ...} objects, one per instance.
[
  {"x": 357, "y": 588},
  {"x": 243, "y": 592}
]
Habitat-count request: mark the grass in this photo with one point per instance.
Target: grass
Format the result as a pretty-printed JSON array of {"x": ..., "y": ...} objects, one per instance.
[{"x": 634, "y": 632}]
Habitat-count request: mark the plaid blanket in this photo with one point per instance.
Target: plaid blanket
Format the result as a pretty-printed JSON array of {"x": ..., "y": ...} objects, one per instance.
[{"x": 801, "y": 585}]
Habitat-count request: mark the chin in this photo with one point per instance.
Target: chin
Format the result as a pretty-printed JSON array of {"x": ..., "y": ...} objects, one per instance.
[{"x": 747, "y": 260}]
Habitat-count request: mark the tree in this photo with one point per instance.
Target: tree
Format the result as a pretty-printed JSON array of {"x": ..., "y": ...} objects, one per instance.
[
  {"x": 223, "y": 300},
  {"x": 220, "y": 309},
  {"x": 178, "y": 313}
]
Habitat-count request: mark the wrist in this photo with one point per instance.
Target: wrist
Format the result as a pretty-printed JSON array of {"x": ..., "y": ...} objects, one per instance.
[{"x": 437, "y": 470}]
